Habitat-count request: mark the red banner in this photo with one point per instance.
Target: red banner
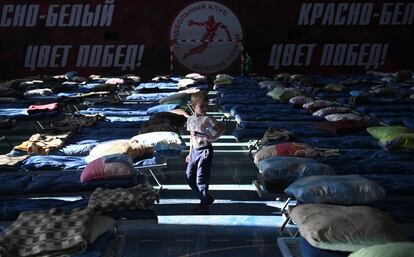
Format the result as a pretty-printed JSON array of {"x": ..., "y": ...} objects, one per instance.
[{"x": 158, "y": 37}]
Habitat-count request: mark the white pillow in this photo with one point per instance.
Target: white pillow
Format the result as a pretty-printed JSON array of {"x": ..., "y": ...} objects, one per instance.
[{"x": 342, "y": 116}]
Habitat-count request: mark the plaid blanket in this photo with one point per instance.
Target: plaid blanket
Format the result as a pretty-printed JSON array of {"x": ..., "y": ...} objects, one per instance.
[
  {"x": 138, "y": 197},
  {"x": 47, "y": 233}
]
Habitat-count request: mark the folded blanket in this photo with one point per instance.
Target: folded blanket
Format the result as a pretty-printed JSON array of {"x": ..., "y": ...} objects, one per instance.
[
  {"x": 47, "y": 233},
  {"x": 138, "y": 197},
  {"x": 43, "y": 143}
]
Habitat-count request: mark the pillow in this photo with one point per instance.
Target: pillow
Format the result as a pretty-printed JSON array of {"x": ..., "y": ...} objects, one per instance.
[
  {"x": 285, "y": 149},
  {"x": 273, "y": 135},
  {"x": 318, "y": 104},
  {"x": 284, "y": 94},
  {"x": 116, "y": 165},
  {"x": 223, "y": 79},
  {"x": 340, "y": 228},
  {"x": 400, "y": 141},
  {"x": 340, "y": 126},
  {"x": 162, "y": 108},
  {"x": 291, "y": 168},
  {"x": 136, "y": 151},
  {"x": 186, "y": 83},
  {"x": 403, "y": 249},
  {"x": 385, "y": 132},
  {"x": 342, "y": 116},
  {"x": 334, "y": 87},
  {"x": 393, "y": 137},
  {"x": 300, "y": 100},
  {"x": 165, "y": 143},
  {"x": 270, "y": 84},
  {"x": 347, "y": 189},
  {"x": 330, "y": 110}
]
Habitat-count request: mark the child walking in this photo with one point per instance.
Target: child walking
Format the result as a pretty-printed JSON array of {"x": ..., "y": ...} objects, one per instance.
[{"x": 203, "y": 130}]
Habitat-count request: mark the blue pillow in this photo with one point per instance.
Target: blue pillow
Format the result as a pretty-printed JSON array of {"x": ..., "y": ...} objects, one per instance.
[
  {"x": 162, "y": 108},
  {"x": 347, "y": 189},
  {"x": 292, "y": 168},
  {"x": 308, "y": 250}
]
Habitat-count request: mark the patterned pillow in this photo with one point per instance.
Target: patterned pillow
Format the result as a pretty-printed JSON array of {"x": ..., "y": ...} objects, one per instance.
[
  {"x": 300, "y": 100},
  {"x": 165, "y": 143},
  {"x": 348, "y": 229},
  {"x": 331, "y": 110},
  {"x": 291, "y": 168},
  {"x": 285, "y": 149},
  {"x": 318, "y": 104},
  {"x": 348, "y": 189},
  {"x": 116, "y": 165},
  {"x": 403, "y": 249},
  {"x": 342, "y": 116}
]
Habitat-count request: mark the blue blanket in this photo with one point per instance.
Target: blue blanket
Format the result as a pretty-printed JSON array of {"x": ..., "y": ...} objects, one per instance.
[{"x": 57, "y": 182}]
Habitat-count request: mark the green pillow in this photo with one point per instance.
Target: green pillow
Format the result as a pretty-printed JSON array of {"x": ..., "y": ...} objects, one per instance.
[
  {"x": 381, "y": 132},
  {"x": 393, "y": 137},
  {"x": 403, "y": 249},
  {"x": 284, "y": 94}
]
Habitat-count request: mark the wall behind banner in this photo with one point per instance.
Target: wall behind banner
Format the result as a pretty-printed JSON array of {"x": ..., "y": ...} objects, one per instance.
[{"x": 118, "y": 37}]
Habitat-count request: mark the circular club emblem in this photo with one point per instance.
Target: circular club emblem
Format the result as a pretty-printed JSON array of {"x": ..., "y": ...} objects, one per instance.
[{"x": 206, "y": 37}]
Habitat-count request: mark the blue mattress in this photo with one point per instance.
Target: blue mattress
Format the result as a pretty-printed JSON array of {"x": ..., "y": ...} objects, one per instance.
[
  {"x": 394, "y": 184},
  {"x": 342, "y": 142},
  {"x": 268, "y": 108},
  {"x": 285, "y": 115},
  {"x": 385, "y": 108},
  {"x": 246, "y": 99},
  {"x": 374, "y": 167},
  {"x": 57, "y": 182}
]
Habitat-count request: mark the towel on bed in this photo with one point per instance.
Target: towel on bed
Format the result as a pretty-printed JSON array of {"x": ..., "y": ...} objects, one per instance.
[{"x": 43, "y": 143}]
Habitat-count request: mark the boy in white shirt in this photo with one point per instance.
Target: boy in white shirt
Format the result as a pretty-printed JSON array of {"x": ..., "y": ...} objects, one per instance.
[{"x": 203, "y": 130}]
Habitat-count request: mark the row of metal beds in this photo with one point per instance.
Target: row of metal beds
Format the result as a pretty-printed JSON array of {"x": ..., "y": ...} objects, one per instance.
[
  {"x": 359, "y": 153},
  {"x": 43, "y": 182}
]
